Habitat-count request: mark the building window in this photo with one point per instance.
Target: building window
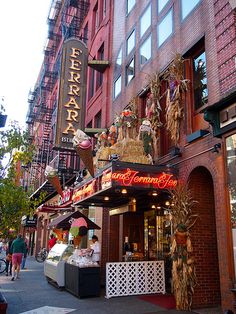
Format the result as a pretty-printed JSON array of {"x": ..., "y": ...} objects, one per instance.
[
  {"x": 200, "y": 80},
  {"x": 91, "y": 83},
  {"x": 145, "y": 21},
  {"x": 98, "y": 120},
  {"x": 146, "y": 50},
  {"x": 130, "y": 5},
  {"x": 104, "y": 8},
  {"x": 95, "y": 21},
  {"x": 130, "y": 43},
  {"x": 99, "y": 74},
  {"x": 165, "y": 28},
  {"x": 85, "y": 39},
  {"x": 231, "y": 166},
  {"x": 161, "y": 4},
  {"x": 117, "y": 87},
  {"x": 119, "y": 58},
  {"x": 187, "y": 6},
  {"x": 118, "y": 64},
  {"x": 130, "y": 71}
]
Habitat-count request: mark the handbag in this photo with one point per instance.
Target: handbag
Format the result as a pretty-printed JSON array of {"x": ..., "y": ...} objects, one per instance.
[{"x": 9, "y": 257}]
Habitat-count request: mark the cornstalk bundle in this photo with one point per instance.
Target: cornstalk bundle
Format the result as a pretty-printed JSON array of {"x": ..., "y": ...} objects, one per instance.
[
  {"x": 154, "y": 101},
  {"x": 183, "y": 269},
  {"x": 176, "y": 86}
]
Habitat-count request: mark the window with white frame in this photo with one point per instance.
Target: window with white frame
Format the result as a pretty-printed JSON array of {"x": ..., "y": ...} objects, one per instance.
[
  {"x": 119, "y": 58},
  {"x": 161, "y": 4},
  {"x": 130, "y": 4},
  {"x": 187, "y": 6},
  {"x": 146, "y": 20},
  {"x": 146, "y": 50},
  {"x": 117, "y": 86},
  {"x": 130, "y": 71},
  {"x": 165, "y": 28},
  {"x": 130, "y": 43}
]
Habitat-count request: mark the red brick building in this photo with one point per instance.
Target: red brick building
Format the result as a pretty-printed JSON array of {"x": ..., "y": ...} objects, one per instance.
[
  {"x": 146, "y": 36},
  {"x": 140, "y": 39}
]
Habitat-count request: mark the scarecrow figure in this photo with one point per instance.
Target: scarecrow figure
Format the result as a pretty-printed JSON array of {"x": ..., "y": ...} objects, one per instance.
[
  {"x": 183, "y": 273},
  {"x": 146, "y": 135}
]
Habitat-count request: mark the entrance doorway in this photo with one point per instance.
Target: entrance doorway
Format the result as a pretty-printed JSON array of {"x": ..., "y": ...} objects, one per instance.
[{"x": 157, "y": 240}]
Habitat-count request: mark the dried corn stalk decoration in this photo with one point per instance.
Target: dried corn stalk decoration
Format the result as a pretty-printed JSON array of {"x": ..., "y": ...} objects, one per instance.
[
  {"x": 153, "y": 108},
  {"x": 177, "y": 85},
  {"x": 183, "y": 269}
]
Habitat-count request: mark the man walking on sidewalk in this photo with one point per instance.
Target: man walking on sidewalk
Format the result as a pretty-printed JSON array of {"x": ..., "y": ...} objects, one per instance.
[{"x": 18, "y": 248}]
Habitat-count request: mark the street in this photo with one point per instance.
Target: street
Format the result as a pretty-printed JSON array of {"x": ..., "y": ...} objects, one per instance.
[{"x": 32, "y": 294}]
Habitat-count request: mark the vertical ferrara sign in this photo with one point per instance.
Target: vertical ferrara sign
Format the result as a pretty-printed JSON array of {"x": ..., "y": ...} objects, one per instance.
[{"x": 72, "y": 93}]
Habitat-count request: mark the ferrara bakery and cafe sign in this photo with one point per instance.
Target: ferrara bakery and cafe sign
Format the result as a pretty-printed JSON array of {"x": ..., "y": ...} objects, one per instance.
[
  {"x": 72, "y": 93},
  {"x": 129, "y": 177}
]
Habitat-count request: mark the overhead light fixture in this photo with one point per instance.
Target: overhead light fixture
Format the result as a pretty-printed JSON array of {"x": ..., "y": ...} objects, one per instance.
[
  {"x": 154, "y": 193},
  {"x": 92, "y": 204},
  {"x": 216, "y": 148},
  {"x": 158, "y": 207},
  {"x": 153, "y": 206},
  {"x": 133, "y": 200},
  {"x": 167, "y": 203},
  {"x": 106, "y": 198},
  {"x": 124, "y": 191}
]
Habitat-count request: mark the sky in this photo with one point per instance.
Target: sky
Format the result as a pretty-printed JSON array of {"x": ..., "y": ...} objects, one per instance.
[{"x": 23, "y": 34}]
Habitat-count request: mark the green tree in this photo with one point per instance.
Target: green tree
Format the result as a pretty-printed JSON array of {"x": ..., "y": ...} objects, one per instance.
[{"x": 15, "y": 151}]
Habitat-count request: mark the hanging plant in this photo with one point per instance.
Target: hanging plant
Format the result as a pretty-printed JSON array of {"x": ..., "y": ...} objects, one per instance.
[
  {"x": 183, "y": 269},
  {"x": 177, "y": 85}
]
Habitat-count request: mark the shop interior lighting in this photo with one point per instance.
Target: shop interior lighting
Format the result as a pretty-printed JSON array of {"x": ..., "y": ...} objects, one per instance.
[
  {"x": 158, "y": 207},
  {"x": 133, "y": 200},
  {"x": 153, "y": 206},
  {"x": 167, "y": 203},
  {"x": 124, "y": 191},
  {"x": 106, "y": 198},
  {"x": 154, "y": 193}
]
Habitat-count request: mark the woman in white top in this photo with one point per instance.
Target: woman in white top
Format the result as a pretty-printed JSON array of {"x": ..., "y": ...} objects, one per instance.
[{"x": 96, "y": 249}]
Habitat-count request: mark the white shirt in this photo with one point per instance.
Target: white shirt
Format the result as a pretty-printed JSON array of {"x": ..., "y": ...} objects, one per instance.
[{"x": 96, "y": 251}]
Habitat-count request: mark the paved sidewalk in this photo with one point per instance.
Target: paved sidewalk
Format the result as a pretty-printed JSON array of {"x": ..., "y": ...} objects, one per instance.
[{"x": 32, "y": 292}]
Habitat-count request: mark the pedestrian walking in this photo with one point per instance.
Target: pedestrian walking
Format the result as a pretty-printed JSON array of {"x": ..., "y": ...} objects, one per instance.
[
  {"x": 25, "y": 255},
  {"x": 17, "y": 249},
  {"x": 8, "y": 257}
]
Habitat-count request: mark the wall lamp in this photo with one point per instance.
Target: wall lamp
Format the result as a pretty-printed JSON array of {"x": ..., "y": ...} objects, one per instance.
[{"x": 216, "y": 148}]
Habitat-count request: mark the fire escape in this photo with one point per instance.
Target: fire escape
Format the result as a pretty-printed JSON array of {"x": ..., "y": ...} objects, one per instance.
[{"x": 64, "y": 21}]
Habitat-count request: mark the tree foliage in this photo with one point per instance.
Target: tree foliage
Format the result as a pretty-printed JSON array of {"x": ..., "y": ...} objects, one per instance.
[{"x": 15, "y": 153}]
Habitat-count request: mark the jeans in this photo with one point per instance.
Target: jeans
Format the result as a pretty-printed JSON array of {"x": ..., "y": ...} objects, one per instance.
[
  {"x": 23, "y": 262},
  {"x": 9, "y": 267}
]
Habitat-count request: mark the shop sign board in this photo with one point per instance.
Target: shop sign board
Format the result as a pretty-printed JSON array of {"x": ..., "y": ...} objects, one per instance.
[
  {"x": 129, "y": 177},
  {"x": 72, "y": 93},
  {"x": 66, "y": 196},
  {"x": 125, "y": 177},
  {"x": 85, "y": 191},
  {"x": 28, "y": 221}
]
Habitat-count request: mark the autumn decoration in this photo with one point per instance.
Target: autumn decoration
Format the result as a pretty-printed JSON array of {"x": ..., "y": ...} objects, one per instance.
[
  {"x": 177, "y": 85},
  {"x": 183, "y": 269}
]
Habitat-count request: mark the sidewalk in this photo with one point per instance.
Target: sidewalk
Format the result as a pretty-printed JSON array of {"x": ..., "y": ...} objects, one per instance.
[{"x": 32, "y": 292}]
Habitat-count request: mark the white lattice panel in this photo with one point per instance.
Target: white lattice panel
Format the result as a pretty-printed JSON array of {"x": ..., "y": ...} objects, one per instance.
[{"x": 132, "y": 278}]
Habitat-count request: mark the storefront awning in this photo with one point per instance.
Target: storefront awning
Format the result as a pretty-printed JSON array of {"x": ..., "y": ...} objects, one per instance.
[
  {"x": 121, "y": 182},
  {"x": 63, "y": 221}
]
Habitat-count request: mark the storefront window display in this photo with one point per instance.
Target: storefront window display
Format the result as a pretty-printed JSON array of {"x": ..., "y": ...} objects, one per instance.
[{"x": 231, "y": 165}]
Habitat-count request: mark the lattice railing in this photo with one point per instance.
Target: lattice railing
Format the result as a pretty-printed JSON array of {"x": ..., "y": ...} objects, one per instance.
[{"x": 132, "y": 278}]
